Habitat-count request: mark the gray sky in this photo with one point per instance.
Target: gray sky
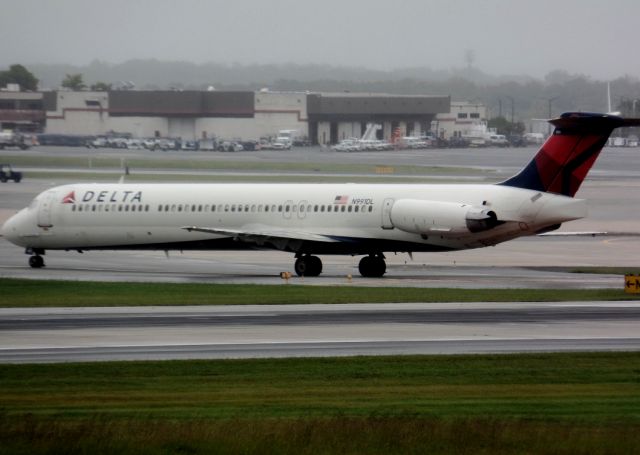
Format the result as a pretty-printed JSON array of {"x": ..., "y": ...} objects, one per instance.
[{"x": 593, "y": 37}]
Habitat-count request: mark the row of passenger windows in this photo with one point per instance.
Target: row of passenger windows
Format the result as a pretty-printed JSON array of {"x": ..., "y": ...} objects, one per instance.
[
  {"x": 260, "y": 208},
  {"x": 110, "y": 208},
  {"x": 253, "y": 208}
]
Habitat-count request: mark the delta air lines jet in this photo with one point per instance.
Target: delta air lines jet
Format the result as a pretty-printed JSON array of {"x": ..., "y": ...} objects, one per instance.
[{"x": 321, "y": 219}]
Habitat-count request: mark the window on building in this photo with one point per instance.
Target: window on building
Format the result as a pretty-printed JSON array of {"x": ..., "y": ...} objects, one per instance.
[{"x": 462, "y": 115}]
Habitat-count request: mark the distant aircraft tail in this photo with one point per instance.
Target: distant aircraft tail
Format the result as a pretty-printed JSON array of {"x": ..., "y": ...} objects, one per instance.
[{"x": 563, "y": 161}]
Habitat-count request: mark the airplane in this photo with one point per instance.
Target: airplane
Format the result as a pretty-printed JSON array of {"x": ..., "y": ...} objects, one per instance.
[{"x": 322, "y": 219}]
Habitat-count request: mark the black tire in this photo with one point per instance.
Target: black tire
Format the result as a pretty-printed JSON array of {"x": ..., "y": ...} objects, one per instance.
[
  {"x": 308, "y": 266},
  {"x": 314, "y": 266},
  {"x": 36, "y": 262},
  {"x": 300, "y": 266},
  {"x": 3, "y": 179},
  {"x": 372, "y": 267}
]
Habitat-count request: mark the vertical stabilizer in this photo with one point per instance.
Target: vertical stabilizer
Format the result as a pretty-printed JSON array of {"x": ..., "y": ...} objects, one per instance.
[{"x": 564, "y": 160}]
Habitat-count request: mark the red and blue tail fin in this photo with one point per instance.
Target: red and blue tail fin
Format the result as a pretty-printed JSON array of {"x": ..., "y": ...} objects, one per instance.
[{"x": 564, "y": 160}]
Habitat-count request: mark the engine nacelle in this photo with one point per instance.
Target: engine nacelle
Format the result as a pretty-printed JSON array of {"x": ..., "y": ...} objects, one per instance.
[{"x": 441, "y": 218}]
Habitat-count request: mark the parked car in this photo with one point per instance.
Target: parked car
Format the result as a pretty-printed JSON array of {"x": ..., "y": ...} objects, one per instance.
[
  {"x": 230, "y": 146},
  {"x": 189, "y": 145},
  {"x": 251, "y": 146},
  {"x": 498, "y": 140}
]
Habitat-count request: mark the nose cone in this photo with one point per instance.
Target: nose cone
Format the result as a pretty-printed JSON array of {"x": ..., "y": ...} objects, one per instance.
[{"x": 11, "y": 229}]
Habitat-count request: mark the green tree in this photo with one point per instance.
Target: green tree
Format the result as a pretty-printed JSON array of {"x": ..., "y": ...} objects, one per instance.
[
  {"x": 504, "y": 126},
  {"x": 74, "y": 82},
  {"x": 18, "y": 74},
  {"x": 101, "y": 87}
]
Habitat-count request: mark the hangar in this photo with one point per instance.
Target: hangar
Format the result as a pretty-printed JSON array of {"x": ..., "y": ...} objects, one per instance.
[{"x": 325, "y": 118}]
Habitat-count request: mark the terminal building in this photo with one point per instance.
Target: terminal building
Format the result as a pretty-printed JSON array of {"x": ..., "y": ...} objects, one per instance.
[{"x": 324, "y": 118}]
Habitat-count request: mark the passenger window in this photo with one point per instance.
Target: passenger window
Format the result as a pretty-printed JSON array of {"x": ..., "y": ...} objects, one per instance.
[
  {"x": 356, "y": 208},
  {"x": 371, "y": 208},
  {"x": 343, "y": 208},
  {"x": 350, "y": 209}
]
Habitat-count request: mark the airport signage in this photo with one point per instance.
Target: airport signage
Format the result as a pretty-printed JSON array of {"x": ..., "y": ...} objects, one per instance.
[{"x": 632, "y": 284}]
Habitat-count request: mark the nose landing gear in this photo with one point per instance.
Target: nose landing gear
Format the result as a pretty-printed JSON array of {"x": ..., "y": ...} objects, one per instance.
[{"x": 35, "y": 261}]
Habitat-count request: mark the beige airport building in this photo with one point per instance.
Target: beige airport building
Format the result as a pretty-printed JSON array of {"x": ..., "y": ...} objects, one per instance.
[{"x": 325, "y": 118}]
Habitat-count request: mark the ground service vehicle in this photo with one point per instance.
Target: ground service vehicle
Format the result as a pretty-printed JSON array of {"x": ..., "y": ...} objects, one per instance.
[{"x": 7, "y": 173}]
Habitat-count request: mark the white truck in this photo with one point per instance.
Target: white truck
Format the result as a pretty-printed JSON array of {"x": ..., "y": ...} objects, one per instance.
[{"x": 11, "y": 139}]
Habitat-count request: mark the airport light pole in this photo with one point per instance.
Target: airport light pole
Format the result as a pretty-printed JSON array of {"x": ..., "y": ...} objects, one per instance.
[
  {"x": 513, "y": 104},
  {"x": 550, "y": 100}
]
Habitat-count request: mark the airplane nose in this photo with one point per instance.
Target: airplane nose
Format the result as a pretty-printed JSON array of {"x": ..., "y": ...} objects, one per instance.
[{"x": 10, "y": 229}]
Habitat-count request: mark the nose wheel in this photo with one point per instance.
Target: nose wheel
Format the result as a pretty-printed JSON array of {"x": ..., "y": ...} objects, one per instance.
[{"x": 36, "y": 262}]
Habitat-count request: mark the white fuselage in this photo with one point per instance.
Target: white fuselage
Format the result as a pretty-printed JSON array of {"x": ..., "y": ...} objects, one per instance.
[{"x": 358, "y": 218}]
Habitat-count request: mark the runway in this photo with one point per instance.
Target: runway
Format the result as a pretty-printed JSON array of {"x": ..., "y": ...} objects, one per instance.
[{"x": 90, "y": 334}]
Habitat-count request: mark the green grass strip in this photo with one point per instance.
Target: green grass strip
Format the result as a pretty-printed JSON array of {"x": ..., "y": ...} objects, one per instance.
[
  {"x": 538, "y": 403},
  {"x": 214, "y": 163},
  {"x": 36, "y": 293},
  {"x": 231, "y": 178}
]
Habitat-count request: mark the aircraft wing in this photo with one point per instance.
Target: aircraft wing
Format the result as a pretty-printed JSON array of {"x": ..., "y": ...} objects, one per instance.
[{"x": 261, "y": 234}]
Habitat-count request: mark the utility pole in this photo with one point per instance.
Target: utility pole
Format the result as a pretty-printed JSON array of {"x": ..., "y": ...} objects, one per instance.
[
  {"x": 550, "y": 100},
  {"x": 513, "y": 104}
]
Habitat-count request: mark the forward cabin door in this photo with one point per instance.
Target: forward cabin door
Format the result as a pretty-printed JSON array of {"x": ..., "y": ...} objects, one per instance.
[
  {"x": 44, "y": 209},
  {"x": 386, "y": 214}
]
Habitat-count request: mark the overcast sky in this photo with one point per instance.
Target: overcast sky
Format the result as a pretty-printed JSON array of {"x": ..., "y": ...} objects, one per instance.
[{"x": 593, "y": 37}]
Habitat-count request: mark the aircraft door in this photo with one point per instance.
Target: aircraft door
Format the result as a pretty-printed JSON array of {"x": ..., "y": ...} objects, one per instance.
[
  {"x": 45, "y": 207},
  {"x": 386, "y": 214}
]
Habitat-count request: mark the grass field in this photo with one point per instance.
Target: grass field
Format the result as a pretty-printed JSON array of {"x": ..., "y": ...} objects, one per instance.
[
  {"x": 37, "y": 293},
  {"x": 89, "y": 162},
  {"x": 548, "y": 403}
]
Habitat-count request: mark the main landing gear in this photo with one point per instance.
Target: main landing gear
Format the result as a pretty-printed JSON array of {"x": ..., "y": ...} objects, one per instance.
[
  {"x": 35, "y": 261},
  {"x": 372, "y": 266},
  {"x": 308, "y": 265}
]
